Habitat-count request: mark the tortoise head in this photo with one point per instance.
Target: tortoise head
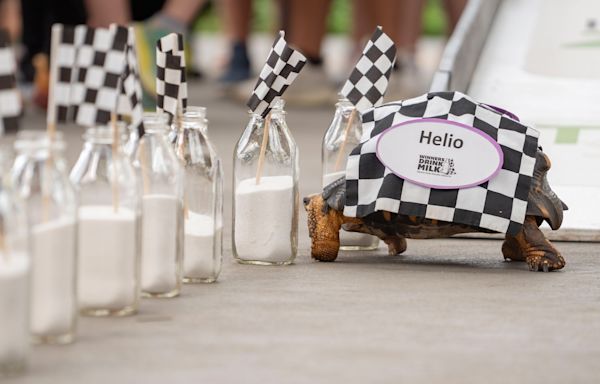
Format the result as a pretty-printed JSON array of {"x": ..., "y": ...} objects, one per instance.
[
  {"x": 324, "y": 226},
  {"x": 542, "y": 201}
]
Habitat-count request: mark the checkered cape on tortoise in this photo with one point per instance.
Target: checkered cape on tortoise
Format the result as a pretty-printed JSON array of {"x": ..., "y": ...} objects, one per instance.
[{"x": 341, "y": 205}]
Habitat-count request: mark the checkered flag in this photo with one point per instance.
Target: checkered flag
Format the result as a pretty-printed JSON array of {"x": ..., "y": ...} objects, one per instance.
[
  {"x": 500, "y": 204},
  {"x": 100, "y": 64},
  {"x": 10, "y": 98},
  {"x": 65, "y": 43},
  {"x": 281, "y": 69},
  {"x": 369, "y": 79},
  {"x": 171, "y": 84},
  {"x": 130, "y": 97}
]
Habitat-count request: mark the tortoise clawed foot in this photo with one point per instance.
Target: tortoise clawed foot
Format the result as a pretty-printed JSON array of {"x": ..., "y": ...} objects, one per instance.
[
  {"x": 530, "y": 245},
  {"x": 545, "y": 260},
  {"x": 396, "y": 245}
]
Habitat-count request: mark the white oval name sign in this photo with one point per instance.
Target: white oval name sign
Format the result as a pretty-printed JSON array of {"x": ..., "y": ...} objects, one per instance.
[{"x": 439, "y": 154}]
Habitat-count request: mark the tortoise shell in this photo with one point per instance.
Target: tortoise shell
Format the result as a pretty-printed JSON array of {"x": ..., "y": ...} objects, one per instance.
[{"x": 543, "y": 204}]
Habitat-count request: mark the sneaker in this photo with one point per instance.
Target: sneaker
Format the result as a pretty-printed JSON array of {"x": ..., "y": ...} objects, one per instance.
[{"x": 238, "y": 68}]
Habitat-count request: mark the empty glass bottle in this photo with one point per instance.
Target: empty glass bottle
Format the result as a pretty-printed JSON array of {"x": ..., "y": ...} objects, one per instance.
[
  {"x": 109, "y": 221},
  {"x": 203, "y": 199},
  {"x": 265, "y": 220},
  {"x": 162, "y": 211},
  {"x": 39, "y": 175},
  {"x": 14, "y": 278},
  {"x": 343, "y": 135}
]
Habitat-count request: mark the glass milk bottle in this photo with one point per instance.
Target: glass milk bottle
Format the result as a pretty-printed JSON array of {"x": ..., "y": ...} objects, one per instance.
[
  {"x": 162, "y": 212},
  {"x": 265, "y": 219},
  {"x": 108, "y": 231},
  {"x": 202, "y": 200},
  {"x": 41, "y": 179},
  {"x": 343, "y": 135},
  {"x": 14, "y": 279}
]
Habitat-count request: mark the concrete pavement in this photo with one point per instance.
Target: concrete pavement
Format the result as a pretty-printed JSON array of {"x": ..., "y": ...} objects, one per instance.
[{"x": 448, "y": 311}]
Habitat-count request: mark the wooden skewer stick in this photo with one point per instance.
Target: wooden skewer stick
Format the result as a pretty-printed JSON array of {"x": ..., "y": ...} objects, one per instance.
[
  {"x": 178, "y": 121},
  {"x": 51, "y": 116},
  {"x": 3, "y": 249},
  {"x": 186, "y": 209},
  {"x": 340, "y": 156},
  {"x": 51, "y": 132},
  {"x": 263, "y": 149},
  {"x": 144, "y": 167},
  {"x": 115, "y": 153}
]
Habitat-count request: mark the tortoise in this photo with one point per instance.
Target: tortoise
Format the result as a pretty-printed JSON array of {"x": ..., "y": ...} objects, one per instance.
[{"x": 325, "y": 218}]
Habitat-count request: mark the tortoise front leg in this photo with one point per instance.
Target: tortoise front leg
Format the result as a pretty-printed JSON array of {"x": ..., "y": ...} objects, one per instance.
[
  {"x": 324, "y": 225},
  {"x": 531, "y": 246}
]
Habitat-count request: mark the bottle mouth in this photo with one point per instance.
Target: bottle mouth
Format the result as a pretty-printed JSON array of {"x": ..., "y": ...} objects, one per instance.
[
  {"x": 155, "y": 121},
  {"x": 343, "y": 102},
  {"x": 104, "y": 134},
  {"x": 33, "y": 140},
  {"x": 194, "y": 112},
  {"x": 194, "y": 118}
]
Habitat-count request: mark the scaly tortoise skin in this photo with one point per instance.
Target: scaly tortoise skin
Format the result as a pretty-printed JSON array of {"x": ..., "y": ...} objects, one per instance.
[{"x": 325, "y": 219}]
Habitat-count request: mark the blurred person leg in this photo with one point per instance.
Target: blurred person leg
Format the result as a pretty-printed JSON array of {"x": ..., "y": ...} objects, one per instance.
[
  {"x": 363, "y": 24},
  {"x": 10, "y": 18},
  {"x": 37, "y": 18},
  {"x": 305, "y": 30},
  {"x": 407, "y": 32},
  {"x": 104, "y": 12},
  {"x": 236, "y": 16},
  {"x": 453, "y": 9},
  {"x": 145, "y": 9},
  {"x": 402, "y": 21},
  {"x": 175, "y": 16},
  {"x": 408, "y": 80}
]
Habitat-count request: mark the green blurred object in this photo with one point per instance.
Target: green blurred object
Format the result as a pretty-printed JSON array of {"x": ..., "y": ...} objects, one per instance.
[
  {"x": 340, "y": 18},
  {"x": 434, "y": 18}
]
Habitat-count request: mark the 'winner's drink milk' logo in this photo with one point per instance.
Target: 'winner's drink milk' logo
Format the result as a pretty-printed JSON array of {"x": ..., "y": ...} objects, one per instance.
[
  {"x": 434, "y": 165},
  {"x": 443, "y": 166}
]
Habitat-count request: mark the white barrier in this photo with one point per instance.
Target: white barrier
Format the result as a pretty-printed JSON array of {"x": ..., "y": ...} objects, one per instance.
[{"x": 541, "y": 61}]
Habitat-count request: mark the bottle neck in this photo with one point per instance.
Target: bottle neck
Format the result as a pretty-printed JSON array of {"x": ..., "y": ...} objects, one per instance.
[
  {"x": 156, "y": 123},
  {"x": 104, "y": 135},
  {"x": 344, "y": 105},
  {"x": 39, "y": 144}
]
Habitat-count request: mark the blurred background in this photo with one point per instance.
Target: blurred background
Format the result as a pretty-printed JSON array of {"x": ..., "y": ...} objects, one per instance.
[{"x": 228, "y": 40}]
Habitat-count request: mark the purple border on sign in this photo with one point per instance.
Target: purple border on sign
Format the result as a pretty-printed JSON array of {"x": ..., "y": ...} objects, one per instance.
[{"x": 447, "y": 122}]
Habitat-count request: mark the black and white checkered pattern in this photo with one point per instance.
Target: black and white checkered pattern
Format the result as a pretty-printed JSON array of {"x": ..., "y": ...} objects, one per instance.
[
  {"x": 10, "y": 99},
  {"x": 65, "y": 44},
  {"x": 369, "y": 79},
  {"x": 281, "y": 69},
  {"x": 100, "y": 64},
  {"x": 171, "y": 84},
  {"x": 130, "y": 98},
  {"x": 500, "y": 204}
]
